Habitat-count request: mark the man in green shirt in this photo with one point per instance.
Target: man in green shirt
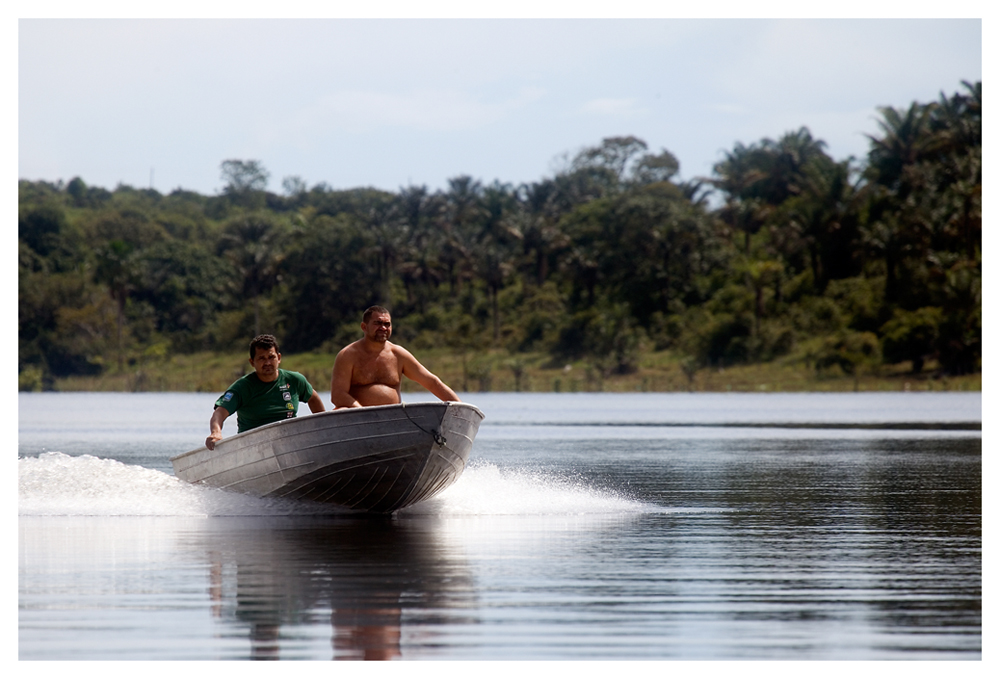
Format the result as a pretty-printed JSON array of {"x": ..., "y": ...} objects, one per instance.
[{"x": 266, "y": 395}]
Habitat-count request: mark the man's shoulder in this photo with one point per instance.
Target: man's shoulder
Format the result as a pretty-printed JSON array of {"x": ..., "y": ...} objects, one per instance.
[
  {"x": 350, "y": 350},
  {"x": 244, "y": 382},
  {"x": 291, "y": 375},
  {"x": 240, "y": 390},
  {"x": 399, "y": 350}
]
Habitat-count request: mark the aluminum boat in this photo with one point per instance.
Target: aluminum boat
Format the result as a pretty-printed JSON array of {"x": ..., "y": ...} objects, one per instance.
[{"x": 374, "y": 459}]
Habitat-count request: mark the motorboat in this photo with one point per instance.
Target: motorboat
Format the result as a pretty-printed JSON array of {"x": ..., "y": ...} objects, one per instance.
[{"x": 373, "y": 459}]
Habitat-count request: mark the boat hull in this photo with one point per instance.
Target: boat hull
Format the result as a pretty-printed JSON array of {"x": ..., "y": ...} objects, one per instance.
[{"x": 375, "y": 459}]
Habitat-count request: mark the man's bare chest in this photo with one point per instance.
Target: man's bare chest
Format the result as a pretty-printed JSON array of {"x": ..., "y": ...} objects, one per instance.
[{"x": 383, "y": 368}]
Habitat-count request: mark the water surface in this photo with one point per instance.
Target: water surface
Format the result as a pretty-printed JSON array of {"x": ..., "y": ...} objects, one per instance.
[{"x": 588, "y": 526}]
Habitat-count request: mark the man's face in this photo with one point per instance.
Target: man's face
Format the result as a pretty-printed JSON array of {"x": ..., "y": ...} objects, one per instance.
[
  {"x": 378, "y": 328},
  {"x": 265, "y": 363}
]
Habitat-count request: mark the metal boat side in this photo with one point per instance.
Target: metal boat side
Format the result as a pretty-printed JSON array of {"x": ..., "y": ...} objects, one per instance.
[
  {"x": 447, "y": 461},
  {"x": 378, "y": 458}
]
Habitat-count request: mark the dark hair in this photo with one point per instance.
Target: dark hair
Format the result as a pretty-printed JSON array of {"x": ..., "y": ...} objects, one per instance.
[
  {"x": 371, "y": 311},
  {"x": 263, "y": 342}
]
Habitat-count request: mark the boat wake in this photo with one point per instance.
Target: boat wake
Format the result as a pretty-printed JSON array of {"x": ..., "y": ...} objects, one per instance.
[
  {"x": 56, "y": 484},
  {"x": 486, "y": 489}
]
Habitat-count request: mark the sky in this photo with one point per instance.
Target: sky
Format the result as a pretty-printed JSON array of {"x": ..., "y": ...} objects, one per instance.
[{"x": 390, "y": 103}]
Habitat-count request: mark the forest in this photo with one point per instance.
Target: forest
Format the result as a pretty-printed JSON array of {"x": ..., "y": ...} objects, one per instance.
[{"x": 851, "y": 264}]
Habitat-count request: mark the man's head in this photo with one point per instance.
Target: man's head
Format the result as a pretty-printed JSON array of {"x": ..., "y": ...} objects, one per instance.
[
  {"x": 376, "y": 323},
  {"x": 264, "y": 357},
  {"x": 263, "y": 342},
  {"x": 373, "y": 310}
]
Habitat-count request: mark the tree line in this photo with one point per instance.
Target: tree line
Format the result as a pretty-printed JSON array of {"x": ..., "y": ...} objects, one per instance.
[{"x": 851, "y": 263}]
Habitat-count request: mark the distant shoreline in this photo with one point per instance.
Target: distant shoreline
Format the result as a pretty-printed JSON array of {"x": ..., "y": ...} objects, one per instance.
[{"x": 498, "y": 371}]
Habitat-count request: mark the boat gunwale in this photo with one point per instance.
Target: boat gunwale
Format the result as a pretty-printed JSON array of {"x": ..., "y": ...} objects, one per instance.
[{"x": 327, "y": 414}]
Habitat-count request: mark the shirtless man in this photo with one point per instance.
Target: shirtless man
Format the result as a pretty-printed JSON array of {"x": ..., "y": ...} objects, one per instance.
[{"x": 369, "y": 372}]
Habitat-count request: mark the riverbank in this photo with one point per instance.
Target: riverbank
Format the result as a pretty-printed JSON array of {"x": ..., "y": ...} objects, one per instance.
[{"x": 502, "y": 372}]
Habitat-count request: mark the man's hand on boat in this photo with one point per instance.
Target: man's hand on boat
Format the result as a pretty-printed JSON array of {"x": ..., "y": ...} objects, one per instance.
[
  {"x": 369, "y": 372},
  {"x": 215, "y": 425},
  {"x": 315, "y": 404}
]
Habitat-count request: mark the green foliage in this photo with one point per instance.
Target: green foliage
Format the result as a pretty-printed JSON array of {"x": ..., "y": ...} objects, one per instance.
[
  {"x": 40, "y": 227},
  {"x": 328, "y": 279},
  {"x": 859, "y": 301},
  {"x": 63, "y": 324},
  {"x": 847, "y": 261},
  {"x": 537, "y": 315},
  {"x": 850, "y": 351},
  {"x": 30, "y": 379},
  {"x": 188, "y": 287},
  {"x": 961, "y": 331},
  {"x": 911, "y": 335},
  {"x": 245, "y": 182},
  {"x": 605, "y": 333}
]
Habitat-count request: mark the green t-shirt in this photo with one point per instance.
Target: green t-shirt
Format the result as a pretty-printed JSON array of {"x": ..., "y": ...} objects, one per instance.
[{"x": 257, "y": 403}]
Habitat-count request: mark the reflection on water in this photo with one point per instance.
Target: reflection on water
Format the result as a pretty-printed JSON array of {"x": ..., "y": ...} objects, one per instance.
[
  {"x": 358, "y": 575},
  {"x": 369, "y": 581}
]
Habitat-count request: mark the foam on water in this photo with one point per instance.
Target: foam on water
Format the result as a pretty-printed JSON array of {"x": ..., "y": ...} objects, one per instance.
[
  {"x": 486, "y": 489},
  {"x": 56, "y": 484}
]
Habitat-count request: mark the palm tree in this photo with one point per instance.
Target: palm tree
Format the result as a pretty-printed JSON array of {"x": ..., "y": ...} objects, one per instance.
[
  {"x": 252, "y": 243},
  {"x": 899, "y": 224},
  {"x": 958, "y": 124},
  {"x": 458, "y": 224},
  {"x": 959, "y": 118},
  {"x": 787, "y": 161},
  {"x": 383, "y": 218},
  {"x": 825, "y": 213},
  {"x": 418, "y": 266},
  {"x": 494, "y": 250},
  {"x": 905, "y": 140},
  {"x": 740, "y": 176}
]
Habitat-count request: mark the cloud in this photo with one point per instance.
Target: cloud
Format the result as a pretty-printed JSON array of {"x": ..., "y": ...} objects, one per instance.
[
  {"x": 615, "y": 108},
  {"x": 733, "y": 109},
  {"x": 845, "y": 64},
  {"x": 332, "y": 100},
  {"x": 444, "y": 110}
]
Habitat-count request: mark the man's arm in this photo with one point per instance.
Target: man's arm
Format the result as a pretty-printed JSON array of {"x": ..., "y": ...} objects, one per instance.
[
  {"x": 315, "y": 403},
  {"x": 340, "y": 384},
  {"x": 215, "y": 426},
  {"x": 413, "y": 369}
]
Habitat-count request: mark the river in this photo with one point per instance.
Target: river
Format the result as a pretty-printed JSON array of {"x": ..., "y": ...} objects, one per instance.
[{"x": 587, "y": 526}]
